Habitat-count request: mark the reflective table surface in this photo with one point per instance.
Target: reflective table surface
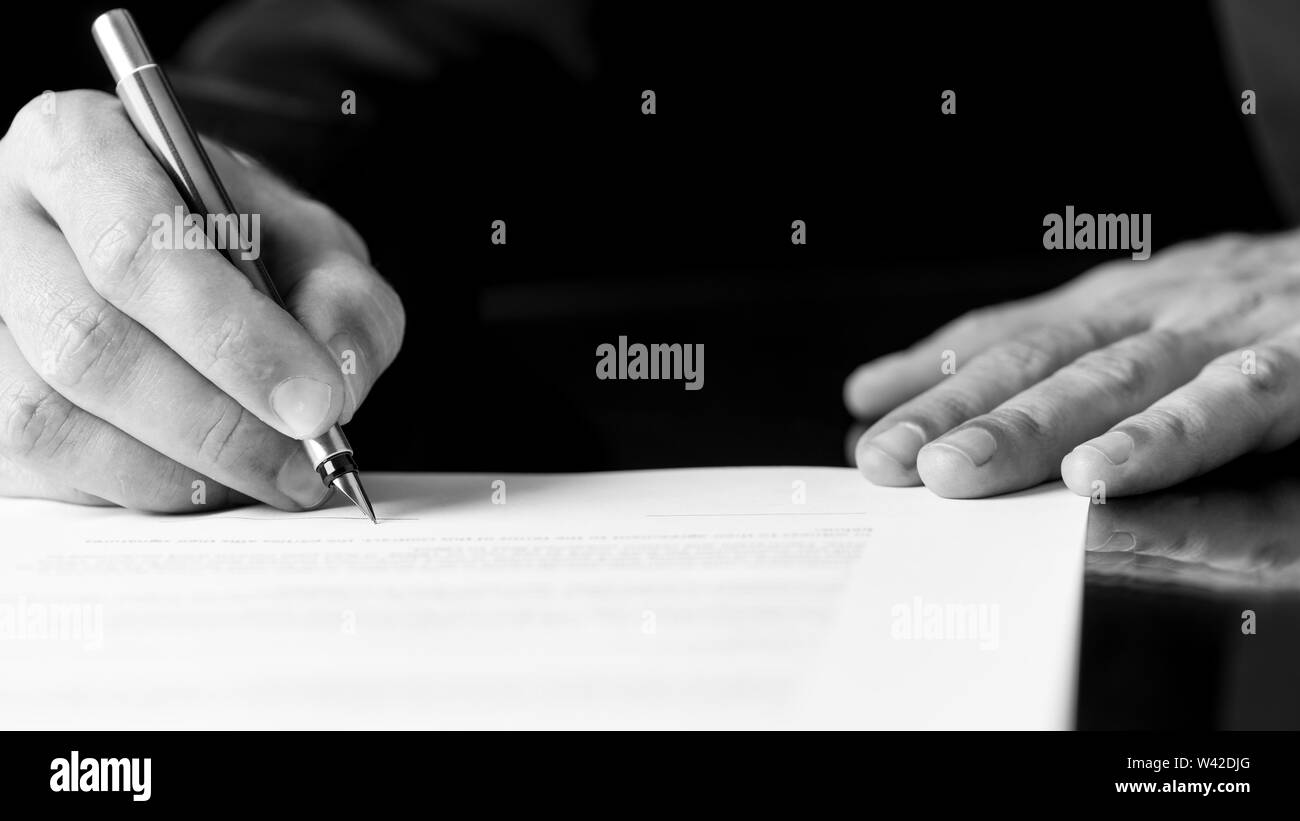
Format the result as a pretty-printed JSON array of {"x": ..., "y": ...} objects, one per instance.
[{"x": 1191, "y": 616}]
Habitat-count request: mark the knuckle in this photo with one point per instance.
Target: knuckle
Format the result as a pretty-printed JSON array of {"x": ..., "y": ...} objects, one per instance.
[
  {"x": 1034, "y": 356},
  {"x": 122, "y": 258},
  {"x": 65, "y": 125},
  {"x": 36, "y": 423},
  {"x": 30, "y": 118},
  {"x": 1183, "y": 424},
  {"x": 1114, "y": 369},
  {"x": 355, "y": 241},
  {"x": 324, "y": 215},
  {"x": 395, "y": 315},
  {"x": 1264, "y": 377},
  {"x": 1275, "y": 370},
  {"x": 228, "y": 341},
  {"x": 949, "y": 404},
  {"x": 227, "y": 440},
  {"x": 1031, "y": 421},
  {"x": 80, "y": 338},
  {"x": 169, "y": 490}
]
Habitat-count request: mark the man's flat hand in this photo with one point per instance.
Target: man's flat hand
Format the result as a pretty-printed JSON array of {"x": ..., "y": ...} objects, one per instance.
[
  {"x": 1133, "y": 377},
  {"x": 130, "y": 372}
]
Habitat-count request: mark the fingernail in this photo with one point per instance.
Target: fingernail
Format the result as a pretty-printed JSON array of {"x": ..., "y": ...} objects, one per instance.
[
  {"x": 300, "y": 482},
  {"x": 348, "y": 356},
  {"x": 1115, "y": 446},
  {"x": 976, "y": 444},
  {"x": 900, "y": 443},
  {"x": 302, "y": 404}
]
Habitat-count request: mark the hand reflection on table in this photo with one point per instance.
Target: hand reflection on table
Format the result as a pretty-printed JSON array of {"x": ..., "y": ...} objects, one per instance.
[
  {"x": 1210, "y": 535},
  {"x": 1195, "y": 593}
]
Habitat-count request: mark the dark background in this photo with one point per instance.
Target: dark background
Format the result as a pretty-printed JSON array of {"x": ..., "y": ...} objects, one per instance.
[{"x": 676, "y": 227}]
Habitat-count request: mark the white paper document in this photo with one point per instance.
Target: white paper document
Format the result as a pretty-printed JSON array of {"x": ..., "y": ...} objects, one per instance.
[{"x": 701, "y": 598}]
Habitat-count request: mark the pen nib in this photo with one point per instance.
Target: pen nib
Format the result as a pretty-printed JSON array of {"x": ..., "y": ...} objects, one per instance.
[{"x": 350, "y": 486}]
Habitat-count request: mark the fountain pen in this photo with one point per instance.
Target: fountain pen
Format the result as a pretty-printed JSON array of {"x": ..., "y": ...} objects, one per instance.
[{"x": 147, "y": 95}]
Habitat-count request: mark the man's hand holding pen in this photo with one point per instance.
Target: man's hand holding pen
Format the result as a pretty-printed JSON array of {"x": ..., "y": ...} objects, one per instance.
[{"x": 129, "y": 372}]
